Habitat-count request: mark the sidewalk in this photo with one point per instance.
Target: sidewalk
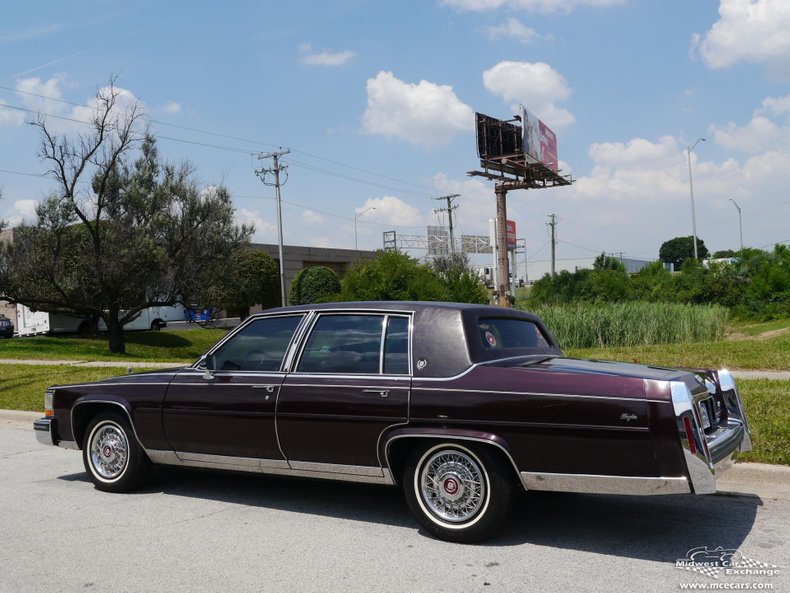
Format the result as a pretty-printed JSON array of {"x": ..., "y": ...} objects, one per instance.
[{"x": 98, "y": 363}]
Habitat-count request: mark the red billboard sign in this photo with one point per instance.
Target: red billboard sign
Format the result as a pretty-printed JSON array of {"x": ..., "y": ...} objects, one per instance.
[
  {"x": 539, "y": 141},
  {"x": 511, "y": 234}
]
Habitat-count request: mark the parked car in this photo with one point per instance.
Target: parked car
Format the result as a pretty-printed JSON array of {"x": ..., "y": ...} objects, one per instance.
[
  {"x": 461, "y": 405},
  {"x": 6, "y": 327}
]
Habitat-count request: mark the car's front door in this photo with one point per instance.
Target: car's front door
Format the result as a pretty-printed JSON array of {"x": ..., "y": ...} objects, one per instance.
[
  {"x": 350, "y": 382},
  {"x": 231, "y": 414}
]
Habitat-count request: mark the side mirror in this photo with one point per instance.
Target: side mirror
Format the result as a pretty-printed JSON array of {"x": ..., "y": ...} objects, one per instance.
[{"x": 211, "y": 365}]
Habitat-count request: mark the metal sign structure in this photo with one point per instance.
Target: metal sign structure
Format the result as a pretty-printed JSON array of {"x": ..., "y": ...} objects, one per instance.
[{"x": 503, "y": 160}]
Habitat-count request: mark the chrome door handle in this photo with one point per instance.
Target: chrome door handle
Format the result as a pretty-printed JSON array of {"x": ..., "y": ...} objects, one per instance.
[
  {"x": 268, "y": 388},
  {"x": 380, "y": 392}
]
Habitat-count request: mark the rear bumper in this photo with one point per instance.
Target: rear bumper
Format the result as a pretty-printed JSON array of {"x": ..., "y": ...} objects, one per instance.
[{"x": 707, "y": 450}]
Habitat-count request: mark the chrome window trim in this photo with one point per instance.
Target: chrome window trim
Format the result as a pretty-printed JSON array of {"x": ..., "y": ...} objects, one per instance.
[
  {"x": 385, "y": 314},
  {"x": 200, "y": 363},
  {"x": 604, "y": 484}
]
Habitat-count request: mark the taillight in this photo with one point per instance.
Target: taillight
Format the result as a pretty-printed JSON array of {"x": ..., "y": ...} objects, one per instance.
[{"x": 690, "y": 435}]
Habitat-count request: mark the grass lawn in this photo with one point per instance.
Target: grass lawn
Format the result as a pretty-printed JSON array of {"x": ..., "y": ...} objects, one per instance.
[
  {"x": 747, "y": 354},
  {"x": 767, "y": 402},
  {"x": 165, "y": 346},
  {"x": 754, "y": 328},
  {"x": 767, "y": 406}
]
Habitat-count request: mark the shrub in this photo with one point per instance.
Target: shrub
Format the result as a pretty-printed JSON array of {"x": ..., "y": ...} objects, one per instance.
[
  {"x": 392, "y": 276},
  {"x": 316, "y": 284}
]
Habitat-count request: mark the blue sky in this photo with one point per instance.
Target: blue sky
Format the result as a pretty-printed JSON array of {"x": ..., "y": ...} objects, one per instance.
[{"x": 376, "y": 100}]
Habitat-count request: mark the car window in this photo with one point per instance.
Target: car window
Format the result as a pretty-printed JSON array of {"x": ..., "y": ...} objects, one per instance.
[
  {"x": 343, "y": 344},
  {"x": 502, "y": 333},
  {"x": 396, "y": 346},
  {"x": 258, "y": 346}
]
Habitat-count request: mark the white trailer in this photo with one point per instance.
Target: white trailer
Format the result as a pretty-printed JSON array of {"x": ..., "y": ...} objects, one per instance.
[
  {"x": 152, "y": 318},
  {"x": 29, "y": 322}
]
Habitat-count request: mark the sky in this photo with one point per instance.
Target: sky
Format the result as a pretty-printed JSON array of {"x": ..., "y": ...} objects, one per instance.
[{"x": 376, "y": 102}]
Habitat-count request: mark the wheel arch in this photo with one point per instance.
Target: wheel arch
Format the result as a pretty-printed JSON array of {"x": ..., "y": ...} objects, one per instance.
[
  {"x": 398, "y": 444},
  {"x": 84, "y": 410}
]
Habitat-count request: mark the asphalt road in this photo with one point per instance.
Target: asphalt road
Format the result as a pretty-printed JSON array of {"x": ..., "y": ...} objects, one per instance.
[{"x": 197, "y": 531}]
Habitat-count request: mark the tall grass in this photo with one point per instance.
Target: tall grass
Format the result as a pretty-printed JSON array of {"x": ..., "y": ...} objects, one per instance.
[{"x": 633, "y": 323}]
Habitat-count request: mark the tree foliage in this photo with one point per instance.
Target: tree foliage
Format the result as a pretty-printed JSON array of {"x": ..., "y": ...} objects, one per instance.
[
  {"x": 251, "y": 278},
  {"x": 316, "y": 284},
  {"x": 678, "y": 250},
  {"x": 461, "y": 281},
  {"x": 117, "y": 235},
  {"x": 392, "y": 276}
]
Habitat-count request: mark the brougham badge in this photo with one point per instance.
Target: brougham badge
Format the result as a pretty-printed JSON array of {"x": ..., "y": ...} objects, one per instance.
[{"x": 628, "y": 417}]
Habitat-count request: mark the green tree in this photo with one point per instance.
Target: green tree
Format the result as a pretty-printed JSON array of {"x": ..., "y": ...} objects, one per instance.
[
  {"x": 316, "y": 284},
  {"x": 652, "y": 283},
  {"x": 461, "y": 281},
  {"x": 116, "y": 236},
  {"x": 392, "y": 276},
  {"x": 723, "y": 253},
  {"x": 678, "y": 250},
  {"x": 252, "y": 278}
]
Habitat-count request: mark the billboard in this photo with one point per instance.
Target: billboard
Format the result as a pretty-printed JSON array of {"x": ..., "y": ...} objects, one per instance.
[
  {"x": 496, "y": 138},
  {"x": 511, "y": 234},
  {"x": 539, "y": 141}
]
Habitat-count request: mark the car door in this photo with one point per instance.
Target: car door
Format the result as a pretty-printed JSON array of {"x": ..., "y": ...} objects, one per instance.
[
  {"x": 229, "y": 417},
  {"x": 350, "y": 382}
]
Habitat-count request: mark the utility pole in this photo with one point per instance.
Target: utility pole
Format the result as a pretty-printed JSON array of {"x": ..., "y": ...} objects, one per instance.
[
  {"x": 275, "y": 156},
  {"x": 449, "y": 211},
  {"x": 553, "y": 225}
]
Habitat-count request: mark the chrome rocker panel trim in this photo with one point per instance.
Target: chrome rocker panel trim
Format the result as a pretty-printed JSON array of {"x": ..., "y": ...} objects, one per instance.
[
  {"x": 601, "y": 484},
  {"x": 279, "y": 467}
]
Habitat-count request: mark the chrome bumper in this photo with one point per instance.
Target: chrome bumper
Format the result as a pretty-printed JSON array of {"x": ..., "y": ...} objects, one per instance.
[
  {"x": 708, "y": 452},
  {"x": 45, "y": 431}
]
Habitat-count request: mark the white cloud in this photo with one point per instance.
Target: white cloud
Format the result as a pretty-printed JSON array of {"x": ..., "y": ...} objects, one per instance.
[
  {"x": 22, "y": 212},
  {"x": 425, "y": 114},
  {"x": 263, "y": 230},
  {"x": 748, "y": 31},
  {"x": 391, "y": 210},
  {"x": 45, "y": 97},
  {"x": 535, "y": 85},
  {"x": 513, "y": 29},
  {"x": 758, "y": 134},
  {"x": 171, "y": 107},
  {"x": 10, "y": 117},
  {"x": 312, "y": 218},
  {"x": 777, "y": 106},
  {"x": 327, "y": 58},
  {"x": 561, "y": 6}
]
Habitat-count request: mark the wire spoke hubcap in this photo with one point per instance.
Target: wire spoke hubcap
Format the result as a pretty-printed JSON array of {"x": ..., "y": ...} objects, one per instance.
[
  {"x": 452, "y": 486},
  {"x": 109, "y": 451}
]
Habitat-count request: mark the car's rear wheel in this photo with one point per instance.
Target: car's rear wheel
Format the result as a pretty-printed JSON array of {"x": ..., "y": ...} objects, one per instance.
[
  {"x": 459, "y": 493},
  {"x": 113, "y": 458}
]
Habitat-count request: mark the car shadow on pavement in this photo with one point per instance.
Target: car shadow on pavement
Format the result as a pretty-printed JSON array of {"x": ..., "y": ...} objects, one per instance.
[{"x": 659, "y": 528}]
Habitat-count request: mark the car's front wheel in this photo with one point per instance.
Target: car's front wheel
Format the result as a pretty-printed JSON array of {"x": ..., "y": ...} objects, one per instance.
[
  {"x": 113, "y": 458},
  {"x": 457, "y": 492}
]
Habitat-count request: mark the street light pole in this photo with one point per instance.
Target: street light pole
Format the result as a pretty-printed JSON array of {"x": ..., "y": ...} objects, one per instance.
[
  {"x": 691, "y": 191},
  {"x": 356, "y": 217},
  {"x": 740, "y": 221}
]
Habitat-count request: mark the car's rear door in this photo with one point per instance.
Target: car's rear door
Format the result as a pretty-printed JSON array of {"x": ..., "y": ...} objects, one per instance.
[{"x": 350, "y": 382}]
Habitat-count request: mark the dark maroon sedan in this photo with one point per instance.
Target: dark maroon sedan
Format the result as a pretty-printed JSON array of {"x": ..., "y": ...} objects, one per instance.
[{"x": 461, "y": 405}]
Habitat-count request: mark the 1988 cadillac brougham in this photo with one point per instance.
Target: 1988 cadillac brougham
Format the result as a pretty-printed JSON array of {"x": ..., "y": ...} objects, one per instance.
[{"x": 462, "y": 405}]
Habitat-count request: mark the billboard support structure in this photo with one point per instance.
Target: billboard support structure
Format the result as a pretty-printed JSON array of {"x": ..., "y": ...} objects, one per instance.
[{"x": 505, "y": 161}]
